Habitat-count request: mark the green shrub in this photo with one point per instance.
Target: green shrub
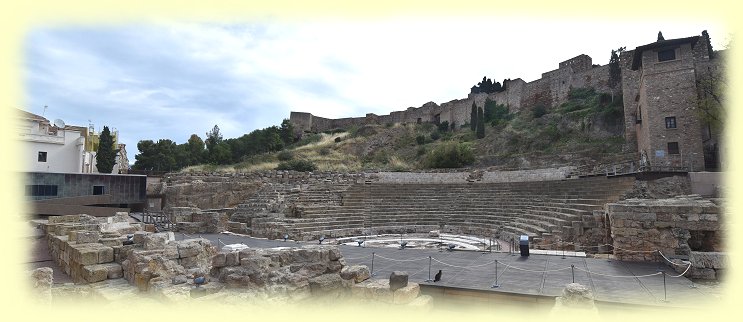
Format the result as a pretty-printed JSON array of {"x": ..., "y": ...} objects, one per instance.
[
  {"x": 420, "y": 140},
  {"x": 334, "y": 131},
  {"x": 285, "y": 155},
  {"x": 312, "y": 138},
  {"x": 297, "y": 165},
  {"x": 450, "y": 155},
  {"x": 538, "y": 111},
  {"x": 421, "y": 151},
  {"x": 435, "y": 136},
  {"x": 443, "y": 126},
  {"x": 581, "y": 93},
  {"x": 324, "y": 151}
]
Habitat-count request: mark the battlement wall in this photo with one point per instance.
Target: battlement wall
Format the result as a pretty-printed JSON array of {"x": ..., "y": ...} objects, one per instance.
[{"x": 550, "y": 90}]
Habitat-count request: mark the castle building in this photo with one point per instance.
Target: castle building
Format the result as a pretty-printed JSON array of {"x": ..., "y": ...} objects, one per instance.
[{"x": 660, "y": 90}]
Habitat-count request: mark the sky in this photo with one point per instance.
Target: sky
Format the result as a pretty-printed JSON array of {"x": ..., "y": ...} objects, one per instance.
[{"x": 168, "y": 80}]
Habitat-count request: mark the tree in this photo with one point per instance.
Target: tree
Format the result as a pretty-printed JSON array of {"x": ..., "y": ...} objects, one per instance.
[
  {"x": 287, "y": 132},
  {"x": 106, "y": 154},
  {"x": 160, "y": 156},
  {"x": 711, "y": 87},
  {"x": 213, "y": 138},
  {"x": 480, "y": 124},
  {"x": 615, "y": 71},
  {"x": 473, "y": 117},
  {"x": 195, "y": 149}
]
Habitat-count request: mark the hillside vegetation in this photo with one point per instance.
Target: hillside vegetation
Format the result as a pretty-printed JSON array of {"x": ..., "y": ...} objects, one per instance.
[{"x": 587, "y": 128}]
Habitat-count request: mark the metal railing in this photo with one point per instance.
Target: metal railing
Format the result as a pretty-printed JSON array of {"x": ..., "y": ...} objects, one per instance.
[{"x": 161, "y": 220}]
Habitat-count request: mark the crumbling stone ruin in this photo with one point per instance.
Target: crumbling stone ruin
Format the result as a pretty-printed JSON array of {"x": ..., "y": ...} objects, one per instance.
[
  {"x": 113, "y": 254},
  {"x": 575, "y": 299},
  {"x": 687, "y": 227}
]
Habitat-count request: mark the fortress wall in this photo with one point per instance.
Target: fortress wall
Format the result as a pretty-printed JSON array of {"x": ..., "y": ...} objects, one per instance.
[
  {"x": 630, "y": 97},
  {"x": 511, "y": 97},
  {"x": 536, "y": 93},
  {"x": 550, "y": 90}
]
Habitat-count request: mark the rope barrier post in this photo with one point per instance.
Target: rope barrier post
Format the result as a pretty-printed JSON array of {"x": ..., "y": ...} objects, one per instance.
[
  {"x": 563, "y": 250},
  {"x": 429, "y": 270},
  {"x": 372, "y": 265},
  {"x": 572, "y": 271},
  {"x": 665, "y": 295},
  {"x": 496, "y": 285}
]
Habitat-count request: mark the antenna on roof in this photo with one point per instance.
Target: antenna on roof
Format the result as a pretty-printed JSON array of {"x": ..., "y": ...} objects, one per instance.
[
  {"x": 44, "y": 112},
  {"x": 59, "y": 123}
]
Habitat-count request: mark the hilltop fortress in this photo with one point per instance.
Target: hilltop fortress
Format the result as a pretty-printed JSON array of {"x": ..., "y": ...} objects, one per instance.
[{"x": 659, "y": 85}]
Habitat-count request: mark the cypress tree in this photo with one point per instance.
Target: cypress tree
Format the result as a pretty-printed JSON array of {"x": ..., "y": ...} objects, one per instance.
[
  {"x": 480, "y": 124},
  {"x": 106, "y": 154},
  {"x": 473, "y": 117}
]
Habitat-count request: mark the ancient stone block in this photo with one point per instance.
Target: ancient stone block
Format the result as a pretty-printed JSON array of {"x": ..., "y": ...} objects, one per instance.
[
  {"x": 105, "y": 254},
  {"x": 111, "y": 242},
  {"x": 218, "y": 260},
  {"x": 334, "y": 253},
  {"x": 406, "y": 294},
  {"x": 255, "y": 264},
  {"x": 95, "y": 273},
  {"x": 139, "y": 237},
  {"x": 114, "y": 270},
  {"x": 716, "y": 260},
  {"x": 87, "y": 255},
  {"x": 398, "y": 279},
  {"x": 325, "y": 283},
  {"x": 232, "y": 259},
  {"x": 357, "y": 273},
  {"x": 189, "y": 248},
  {"x": 158, "y": 240}
]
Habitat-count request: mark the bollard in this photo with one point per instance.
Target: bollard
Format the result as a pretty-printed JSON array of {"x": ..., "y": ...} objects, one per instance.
[
  {"x": 429, "y": 270},
  {"x": 572, "y": 271},
  {"x": 665, "y": 295},
  {"x": 495, "y": 285},
  {"x": 372, "y": 265}
]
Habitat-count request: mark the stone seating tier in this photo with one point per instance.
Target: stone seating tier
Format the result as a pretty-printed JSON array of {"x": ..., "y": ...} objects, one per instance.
[{"x": 549, "y": 209}]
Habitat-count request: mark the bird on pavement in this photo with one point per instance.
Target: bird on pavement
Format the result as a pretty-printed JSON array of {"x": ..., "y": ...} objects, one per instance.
[
  {"x": 403, "y": 244},
  {"x": 437, "y": 277},
  {"x": 451, "y": 247},
  {"x": 322, "y": 239}
]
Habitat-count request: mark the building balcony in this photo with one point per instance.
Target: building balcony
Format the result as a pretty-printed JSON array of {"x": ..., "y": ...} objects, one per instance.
[{"x": 42, "y": 138}]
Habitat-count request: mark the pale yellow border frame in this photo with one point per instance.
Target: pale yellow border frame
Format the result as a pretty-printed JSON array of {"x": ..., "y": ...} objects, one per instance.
[{"x": 17, "y": 18}]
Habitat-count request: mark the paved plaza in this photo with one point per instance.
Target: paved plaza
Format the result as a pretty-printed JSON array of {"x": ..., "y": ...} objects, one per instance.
[{"x": 536, "y": 275}]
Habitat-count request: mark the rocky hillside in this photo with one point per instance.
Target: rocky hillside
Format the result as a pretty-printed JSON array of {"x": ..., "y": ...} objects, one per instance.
[{"x": 588, "y": 129}]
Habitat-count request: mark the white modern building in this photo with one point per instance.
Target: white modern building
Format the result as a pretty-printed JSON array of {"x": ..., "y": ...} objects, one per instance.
[
  {"x": 57, "y": 147},
  {"x": 50, "y": 147}
]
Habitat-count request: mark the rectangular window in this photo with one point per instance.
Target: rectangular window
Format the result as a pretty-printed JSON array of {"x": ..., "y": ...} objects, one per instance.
[
  {"x": 638, "y": 116},
  {"x": 98, "y": 190},
  {"x": 42, "y": 156},
  {"x": 671, "y": 122},
  {"x": 673, "y": 148},
  {"x": 665, "y": 55},
  {"x": 41, "y": 190}
]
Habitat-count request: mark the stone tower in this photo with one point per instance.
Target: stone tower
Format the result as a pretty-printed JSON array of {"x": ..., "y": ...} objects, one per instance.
[{"x": 660, "y": 96}]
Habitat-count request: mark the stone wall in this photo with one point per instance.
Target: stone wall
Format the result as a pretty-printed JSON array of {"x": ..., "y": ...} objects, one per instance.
[
  {"x": 675, "y": 226},
  {"x": 86, "y": 248},
  {"x": 550, "y": 90}
]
